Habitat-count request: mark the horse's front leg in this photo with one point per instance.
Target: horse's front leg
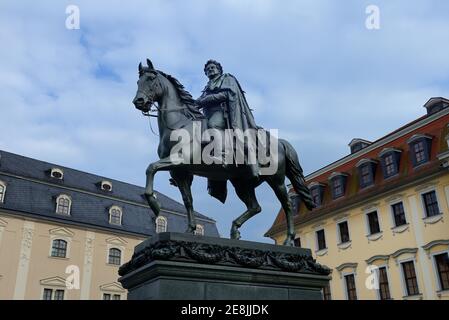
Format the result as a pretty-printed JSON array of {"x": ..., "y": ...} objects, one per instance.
[{"x": 162, "y": 164}]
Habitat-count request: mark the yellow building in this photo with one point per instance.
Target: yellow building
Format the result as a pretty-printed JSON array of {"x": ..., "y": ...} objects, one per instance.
[
  {"x": 382, "y": 216},
  {"x": 64, "y": 233}
]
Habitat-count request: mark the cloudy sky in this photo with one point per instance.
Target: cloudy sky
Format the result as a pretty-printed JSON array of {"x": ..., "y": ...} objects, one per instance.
[{"x": 310, "y": 69}]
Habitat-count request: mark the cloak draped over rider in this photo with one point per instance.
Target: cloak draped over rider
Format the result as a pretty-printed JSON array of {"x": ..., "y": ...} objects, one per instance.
[{"x": 224, "y": 105}]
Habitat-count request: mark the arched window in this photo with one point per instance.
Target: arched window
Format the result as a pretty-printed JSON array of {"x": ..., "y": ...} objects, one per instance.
[
  {"x": 161, "y": 224},
  {"x": 199, "y": 230},
  {"x": 59, "y": 248},
  {"x": 63, "y": 204},
  {"x": 115, "y": 215},
  {"x": 115, "y": 256},
  {"x": 2, "y": 191}
]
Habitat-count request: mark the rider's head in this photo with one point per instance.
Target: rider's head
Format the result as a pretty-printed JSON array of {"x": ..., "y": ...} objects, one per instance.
[{"x": 212, "y": 69}]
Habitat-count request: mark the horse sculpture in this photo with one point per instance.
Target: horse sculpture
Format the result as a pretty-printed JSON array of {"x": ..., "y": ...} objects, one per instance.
[{"x": 177, "y": 109}]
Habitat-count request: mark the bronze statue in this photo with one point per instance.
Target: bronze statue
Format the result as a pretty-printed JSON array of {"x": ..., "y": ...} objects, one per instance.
[{"x": 225, "y": 107}]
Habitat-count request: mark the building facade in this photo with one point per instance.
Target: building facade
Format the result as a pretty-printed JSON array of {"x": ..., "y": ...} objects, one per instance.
[
  {"x": 64, "y": 233},
  {"x": 381, "y": 221}
]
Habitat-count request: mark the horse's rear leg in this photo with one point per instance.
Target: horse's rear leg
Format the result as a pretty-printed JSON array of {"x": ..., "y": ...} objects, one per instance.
[
  {"x": 281, "y": 193},
  {"x": 248, "y": 196},
  {"x": 184, "y": 182}
]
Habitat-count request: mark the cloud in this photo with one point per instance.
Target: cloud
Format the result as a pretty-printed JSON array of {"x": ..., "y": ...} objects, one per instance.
[{"x": 310, "y": 69}]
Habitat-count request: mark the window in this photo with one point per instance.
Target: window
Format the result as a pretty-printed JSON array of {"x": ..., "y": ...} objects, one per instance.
[
  {"x": 106, "y": 186},
  {"x": 115, "y": 215},
  {"x": 343, "y": 231},
  {"x": 297, "y": 242},
  {"x": 161, "y": 224},
  {"x": 59, "y": 295},
  {"x": 316, "y": 192},
  {"x": 116, "y": 297},
  {"x": 327, "y": 292},
  {"x": 337, "y": 181},
  {"x": 431, "y": 204},
  {"x": 442, "y": 264},
  {"x": 321, "y": 239},
  {"x": 365, "y": 175},
  {"x": 390, "y": 159},
  {"x": 419, "y": 148},
  {"x": 115, "y": 256},
  {"x": 373, "y": 222},
  {"x": 351, "y": 292},
  {"x": 199, "y": 231},
  {"x": 63, "y": 204},
  {"x": 59, "y": 248},
  {"x": 48, "y": 294},
  {"x": 384, "y": 288},
  {"x": 56, "y": 173},
  {"x": 411, "y": 283},
  {"x": 2, "y": 191},
  {"x": 106, "y": 296},
  {"x": 390, "y": 167},
  {"x": 398, "y": 214}
]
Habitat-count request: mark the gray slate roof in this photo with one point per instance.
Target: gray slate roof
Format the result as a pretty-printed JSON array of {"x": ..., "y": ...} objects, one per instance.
[{"x": 32, "y": 191}]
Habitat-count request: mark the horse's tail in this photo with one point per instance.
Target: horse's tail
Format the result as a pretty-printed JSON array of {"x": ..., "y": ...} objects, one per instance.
[{"x": 295, "y": 175}]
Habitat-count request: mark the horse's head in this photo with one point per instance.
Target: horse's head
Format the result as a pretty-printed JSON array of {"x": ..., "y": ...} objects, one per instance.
[{"x": 149, "y": 89}]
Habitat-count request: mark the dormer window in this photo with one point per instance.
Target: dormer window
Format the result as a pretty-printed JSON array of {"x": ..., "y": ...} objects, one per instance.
[
  {"x": 419, "y": 145},
  {"x": 390, "y": 159},
  {"x": 63, "y": 204},
  {"x": 106, "y": 185},
  {"x": 358, "y": 144},
  {"x": 2, "y": 191},
  {"x": 367, "y": 169},
  {"x": 317, "y": 191},
  {"x": 115, "y": 215},
  {"x": 338, "y": 184},
  {"x": 56, "y": 173}
]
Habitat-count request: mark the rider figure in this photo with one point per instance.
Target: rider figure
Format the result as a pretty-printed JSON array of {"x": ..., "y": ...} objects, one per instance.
[{"x": 224, "y": 104}]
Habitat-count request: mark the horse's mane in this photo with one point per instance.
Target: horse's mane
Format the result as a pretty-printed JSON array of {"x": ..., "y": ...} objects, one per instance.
[{"x": 192, "y": 110}]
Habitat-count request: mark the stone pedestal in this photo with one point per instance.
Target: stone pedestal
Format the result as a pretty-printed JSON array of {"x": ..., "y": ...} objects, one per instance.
[{"x": 177, "y": 266}]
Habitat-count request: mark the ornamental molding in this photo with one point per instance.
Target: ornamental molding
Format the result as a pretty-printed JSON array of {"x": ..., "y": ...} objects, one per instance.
[
  {"x": 112, "y": 287},
  {"x": 400, "y": 252},
  {"x": 380, "y": 257},
  {"x": 435, "y": 243},
  {"x": 64, "y": 232},
  {"x": 218, "y": 254},
  {"x": 54, "y": 282}
]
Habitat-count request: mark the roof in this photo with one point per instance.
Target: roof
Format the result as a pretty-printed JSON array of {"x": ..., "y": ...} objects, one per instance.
[
  {"x": 32, "y": 191},
  {"x": 434, "y": 125}
]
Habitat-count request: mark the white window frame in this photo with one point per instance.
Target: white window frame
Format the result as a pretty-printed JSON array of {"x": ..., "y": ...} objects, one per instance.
[
  {"x": 57, "y": 170},
  {"x": 387, "y": 269},
  {"x": 199, "y": 227},
  {"x": 403, "y": 284},
  {"x": 64, "y": 196},
  {"x": 345, "y": 288},
  {"x": 2, "y": 196},
  {"x": 166, "y": 223},
  {"x": 110, "y": 215},
  {"x": 423, "y": 205},
  {"x": 435, "y": 269}
]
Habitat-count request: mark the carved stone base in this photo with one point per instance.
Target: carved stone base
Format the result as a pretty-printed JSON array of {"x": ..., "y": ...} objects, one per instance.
[{"x": 179, "y": 266}]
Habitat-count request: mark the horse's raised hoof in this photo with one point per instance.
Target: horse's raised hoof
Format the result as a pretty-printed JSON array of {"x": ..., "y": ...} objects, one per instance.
[
  {"x": 153, "y": 203},
  {"x": 235, "y": 233}
]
